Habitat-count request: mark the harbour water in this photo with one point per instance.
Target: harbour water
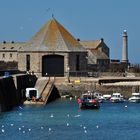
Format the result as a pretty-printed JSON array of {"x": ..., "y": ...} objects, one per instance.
[{"x": 63, "y": 120}]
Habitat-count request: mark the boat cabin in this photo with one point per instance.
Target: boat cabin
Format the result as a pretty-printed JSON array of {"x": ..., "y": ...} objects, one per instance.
[{"x": 32, "y": 94}]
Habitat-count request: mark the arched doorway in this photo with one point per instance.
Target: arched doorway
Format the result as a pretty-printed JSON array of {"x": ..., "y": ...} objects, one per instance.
[{"x": 53, "y": 65}]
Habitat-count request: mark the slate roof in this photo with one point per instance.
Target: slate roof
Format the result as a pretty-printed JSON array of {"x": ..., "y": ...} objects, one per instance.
[
  {"x": 53, "y": 37},
  {"x": 91, "y": 44},
  {"x": 10, "y": 46},
  {"x": 93, "y": 52}
]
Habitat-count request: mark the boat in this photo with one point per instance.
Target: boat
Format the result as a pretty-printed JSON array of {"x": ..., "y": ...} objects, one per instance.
[
  {"x": 99, "y": 96},
  {"x": 107, "y": 96},
  {"x": 32, "y": 94},
  {"x": 135, "y": 98},
  {"x": 116, "y": 98},
  {"x": 88, "y": 100}
]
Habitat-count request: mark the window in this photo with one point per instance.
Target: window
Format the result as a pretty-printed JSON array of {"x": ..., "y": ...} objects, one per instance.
[
  {"x": 3, "y": 55},
  {"x": 27, "y": 62},
  {"x": 77, "y": 62},
  {"x": 11, "y": 55}
]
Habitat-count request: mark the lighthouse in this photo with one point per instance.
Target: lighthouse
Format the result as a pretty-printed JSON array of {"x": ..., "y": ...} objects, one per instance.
[{"x": 125, "y": 47}]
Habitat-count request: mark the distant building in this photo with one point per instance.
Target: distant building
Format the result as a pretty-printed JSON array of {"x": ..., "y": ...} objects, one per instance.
[
  {"x": 53, "y": 51},
  {"x": 98, "y": 52}
]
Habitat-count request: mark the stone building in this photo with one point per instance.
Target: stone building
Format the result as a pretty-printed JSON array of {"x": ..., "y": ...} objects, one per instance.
[{"x": 53, "y": 51}]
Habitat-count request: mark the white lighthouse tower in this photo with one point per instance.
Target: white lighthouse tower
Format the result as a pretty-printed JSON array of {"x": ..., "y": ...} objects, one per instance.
[{"x": 125, "y": 47}]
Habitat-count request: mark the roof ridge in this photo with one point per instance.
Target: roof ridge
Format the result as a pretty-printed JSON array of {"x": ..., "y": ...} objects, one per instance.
[
  {"x": 61, "y": 33},
  {"x": 46, "y": 33},
  {"x": 68, "y": 34}
]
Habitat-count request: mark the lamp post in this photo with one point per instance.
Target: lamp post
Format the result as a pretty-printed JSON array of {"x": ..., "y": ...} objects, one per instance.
[{"x": 68, "y": 70}]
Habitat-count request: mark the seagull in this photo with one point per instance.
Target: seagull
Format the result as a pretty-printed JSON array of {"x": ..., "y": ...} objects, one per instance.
[
  {"x": 12, "y": 124},
  {"x": 42, "y": 127},
  {"x": 51, "y": 116},
  {"x": 2, "y": 130},
  {"x": 20, "y": 107},
  {"x": 85, "y": 131},
  {"x": 97, "y": 126},
  {"x": 20, "y": 114},
  {"x": 84, "y": 127},
  {"x": 77, "y": 116},
  {"x": 67, "y": 124},
  {"x": 2, "y": 126}
]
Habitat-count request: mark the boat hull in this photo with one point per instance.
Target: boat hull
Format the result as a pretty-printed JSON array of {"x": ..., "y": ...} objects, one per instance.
[
  {"x": 134, "y": 101},
  {"x": 89, "y": 106}
]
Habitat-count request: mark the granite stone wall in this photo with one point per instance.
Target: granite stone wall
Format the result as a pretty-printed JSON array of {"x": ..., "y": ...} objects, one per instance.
[
  {"x": 12, "y": 90},
  {"x": 36, "y": 61}
]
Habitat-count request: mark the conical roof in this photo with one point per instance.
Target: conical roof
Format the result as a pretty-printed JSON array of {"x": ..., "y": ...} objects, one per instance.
[{"x": 53, "y": 37}]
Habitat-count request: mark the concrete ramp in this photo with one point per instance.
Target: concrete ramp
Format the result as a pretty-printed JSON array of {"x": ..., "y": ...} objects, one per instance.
[
  {"x": 44, "y": 87},
  {"x": 41, "y": 84},
  {"x": 47, "y": 91}
]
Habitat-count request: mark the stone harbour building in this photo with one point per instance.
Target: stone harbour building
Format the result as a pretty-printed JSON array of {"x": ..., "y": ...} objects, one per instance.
[{"x": 53, "y": 51}]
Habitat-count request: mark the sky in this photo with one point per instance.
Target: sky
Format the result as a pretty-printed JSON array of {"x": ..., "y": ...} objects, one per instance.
[{"x": 84, "y": 19}]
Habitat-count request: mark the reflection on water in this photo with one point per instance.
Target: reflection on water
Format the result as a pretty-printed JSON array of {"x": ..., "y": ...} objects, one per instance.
[{"x": 63, "y": 120}]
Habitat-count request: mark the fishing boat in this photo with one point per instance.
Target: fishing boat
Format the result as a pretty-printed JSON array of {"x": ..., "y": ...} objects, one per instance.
[
  {"x": 107, "y": 96},
  {"x": 135, "y": 98},
  {"x": 116, "y": 98},
  {"x": 88, "y": 100},
  {"x": 99, "y": 96}
]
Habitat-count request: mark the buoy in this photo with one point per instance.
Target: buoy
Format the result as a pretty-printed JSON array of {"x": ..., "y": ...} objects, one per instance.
[
  {"x": 125, "y": 106},
  {"x": 51, "y": 116},
  {"x": 50, "y": 129},
  {"x": 67, "y": 124},
  {"x": 70, "y": 98}
]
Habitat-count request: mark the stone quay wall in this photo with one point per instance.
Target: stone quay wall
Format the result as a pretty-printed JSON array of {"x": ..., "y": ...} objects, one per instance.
[{"x": 12, "y": 90}]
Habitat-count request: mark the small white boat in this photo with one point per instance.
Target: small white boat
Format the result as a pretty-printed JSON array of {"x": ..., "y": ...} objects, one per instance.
[
  {"x": 107, "y": 96},
  {"x": 135, "y": 98},
  {"x": 99, "y": 96},
  {"x": 116, "y": 98},
  {"x": 32, "y": 94}
]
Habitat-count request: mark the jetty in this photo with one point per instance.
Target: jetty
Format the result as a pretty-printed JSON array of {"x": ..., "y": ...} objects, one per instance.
[{"x": 44, "y": 87}]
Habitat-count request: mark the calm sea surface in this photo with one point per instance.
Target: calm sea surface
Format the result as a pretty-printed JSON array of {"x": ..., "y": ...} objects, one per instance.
[{"x": 62, "y": 120}]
